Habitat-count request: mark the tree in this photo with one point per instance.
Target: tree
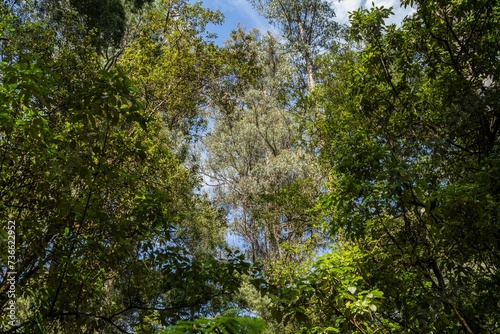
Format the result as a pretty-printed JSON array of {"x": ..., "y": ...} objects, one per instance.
[
  {"x": 224, "y": 324},
  {"x": 308, "y": 27},
  {"x": 173, "y": 64},
  {"x": 413, "y": 153},
  {"x": 113, "y": 235},
  {"x": 266, "y": 180},
  {"x": 109, "y": 233},
  {"x": 105, "y": 20},
  {"x": 331, "y": 296}
]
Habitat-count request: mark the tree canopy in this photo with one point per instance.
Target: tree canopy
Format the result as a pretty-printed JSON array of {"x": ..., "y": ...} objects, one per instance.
[{"x": 357, "y": 167}]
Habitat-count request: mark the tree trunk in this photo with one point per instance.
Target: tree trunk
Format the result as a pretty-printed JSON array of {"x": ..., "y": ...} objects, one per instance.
[{"x": 311, "y": 75}]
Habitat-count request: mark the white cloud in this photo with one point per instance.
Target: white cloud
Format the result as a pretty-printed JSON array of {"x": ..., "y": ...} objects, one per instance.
[
  {"x": 342, "y": 9},
  {"x": 399, "y": 12}
]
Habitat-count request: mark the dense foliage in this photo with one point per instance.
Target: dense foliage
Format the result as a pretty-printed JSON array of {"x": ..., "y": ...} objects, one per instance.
[
  {"x": 414, "y": 188},
  {"x": 357, "y": 166},
  {"x": 110, "y": 235}
]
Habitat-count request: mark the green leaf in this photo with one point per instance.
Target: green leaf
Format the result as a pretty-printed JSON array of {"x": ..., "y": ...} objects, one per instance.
[{"x": 332, "y": 329}]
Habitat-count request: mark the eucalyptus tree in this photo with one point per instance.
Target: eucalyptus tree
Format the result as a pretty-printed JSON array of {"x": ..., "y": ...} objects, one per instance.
[
  {"x": 265, "y": 180},
  {"x": 308, "y": 27}
]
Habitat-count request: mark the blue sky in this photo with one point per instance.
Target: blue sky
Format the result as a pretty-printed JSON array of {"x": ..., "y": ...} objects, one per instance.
[
  {"x": 241, "y": 11},
  {"x": 235, "y": 11}
]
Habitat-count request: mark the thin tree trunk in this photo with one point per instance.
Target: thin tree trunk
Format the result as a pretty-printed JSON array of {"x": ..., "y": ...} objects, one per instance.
[{"x": 311, "y": 75}]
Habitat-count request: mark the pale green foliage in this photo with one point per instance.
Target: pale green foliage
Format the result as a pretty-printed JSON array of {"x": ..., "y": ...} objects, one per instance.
[
  {"x": 251, "y": 300},
  {"x": 263, "y": 175},
  {"x": 267, "y": 181},
  {"x": 308, "y": 27}
]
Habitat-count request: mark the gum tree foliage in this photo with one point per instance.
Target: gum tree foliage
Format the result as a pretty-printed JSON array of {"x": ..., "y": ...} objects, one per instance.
[
  {"x": 263, "y": 178},
  {"x": 307, "y": 26},
  {"x": 110, "y": 237},
  {"x": 414, "y": 162}
]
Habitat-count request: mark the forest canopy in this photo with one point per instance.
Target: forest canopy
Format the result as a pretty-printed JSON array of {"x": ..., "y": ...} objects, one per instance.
[{"x": 357, "y": 167}]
